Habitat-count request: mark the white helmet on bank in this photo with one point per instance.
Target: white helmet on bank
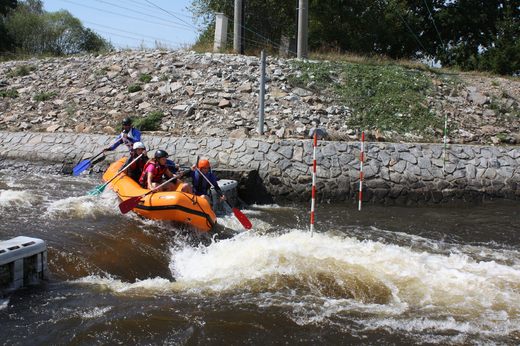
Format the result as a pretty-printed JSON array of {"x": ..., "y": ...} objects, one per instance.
[{"x": 139, "y": 145}]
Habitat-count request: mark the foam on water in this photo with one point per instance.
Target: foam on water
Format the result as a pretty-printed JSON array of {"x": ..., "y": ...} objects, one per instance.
[
  {"x": 231, "y": 222},
  {"x": 94, "y": 312},
  {"x": 17, "y": 198},
  {"x": 139, "y": 288},
  {"x": 343, "y": 270},
  {"x": 83, "y": 206},
  {"x": 4, "y": 303},
  {"x": 327, "y": 278}
]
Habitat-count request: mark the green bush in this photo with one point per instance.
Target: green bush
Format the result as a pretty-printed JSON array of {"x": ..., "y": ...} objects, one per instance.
[
  {"x": 21, "y": 71},
  {"x": 12, "y": 93},
  {"x": 134, "y": 88},
  {"x": 145, "y": 78},
  {"x": 44, "y": 96},
  {"x": 150, "y": 122}
]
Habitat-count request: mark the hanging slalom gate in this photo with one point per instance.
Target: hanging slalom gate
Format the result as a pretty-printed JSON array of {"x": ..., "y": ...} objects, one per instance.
[
  {"x": 23, "y": 262},
  {"x": 313, "y": 194},
  {"x": 361, "y": 160}
]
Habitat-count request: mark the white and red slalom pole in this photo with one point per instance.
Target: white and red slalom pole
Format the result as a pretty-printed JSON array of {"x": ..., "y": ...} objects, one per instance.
[
  {"x": 361, "y": 160},
  {"x": 313, "y": 197}
]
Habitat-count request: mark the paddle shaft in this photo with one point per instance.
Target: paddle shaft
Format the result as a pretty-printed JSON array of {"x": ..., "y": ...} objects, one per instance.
[
  {"x": 83, "y": 165},
  {"x": 238, "y": 214},
  {"x": 210, "y": 183},
  {"x": 122, "y": 170},
  {"x": 132, "y": 202}
]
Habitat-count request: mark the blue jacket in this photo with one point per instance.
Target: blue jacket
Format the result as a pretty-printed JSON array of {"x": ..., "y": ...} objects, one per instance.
[
  {"x": 200, "y": 185},
  {"x": 134, "y": 135}
]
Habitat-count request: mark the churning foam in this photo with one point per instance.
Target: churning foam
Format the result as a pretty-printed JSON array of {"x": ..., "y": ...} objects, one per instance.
[
  {"x": 16, "y": 198},
  {"x": 326, "y": 277},
  {"x": 367, "y": 272},
  {"x": 4, "y": 303},
  {"x": 82, "y": 206}
]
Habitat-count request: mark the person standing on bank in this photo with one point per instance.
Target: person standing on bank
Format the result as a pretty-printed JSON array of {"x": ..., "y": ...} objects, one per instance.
[
  {"x": 154, "y": 172},
  {"x": 128, "y": 136},
  {"x": 135, "y": 170}
]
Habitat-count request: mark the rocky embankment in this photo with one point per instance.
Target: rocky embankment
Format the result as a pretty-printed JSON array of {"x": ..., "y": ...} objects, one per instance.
[{"x": 216, "y": 95}]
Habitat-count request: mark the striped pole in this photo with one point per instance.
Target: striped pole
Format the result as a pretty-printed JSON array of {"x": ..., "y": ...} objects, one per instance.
[
  {"x": 361, "y": 159},
  {"x": 313, "y": 197},
  {"x": 445, "y": 141}
]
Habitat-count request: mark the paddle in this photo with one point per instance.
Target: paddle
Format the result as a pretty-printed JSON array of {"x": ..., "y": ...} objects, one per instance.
[
  {"x": 238, "y": 214},
  {"x": 100, "y": 188},
  {"x": 83, "y": 165},
  {"x": 132, "y": 202}
]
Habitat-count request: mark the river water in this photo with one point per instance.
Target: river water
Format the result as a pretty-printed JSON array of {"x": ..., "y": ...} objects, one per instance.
[{"x": 385, "y": 275}]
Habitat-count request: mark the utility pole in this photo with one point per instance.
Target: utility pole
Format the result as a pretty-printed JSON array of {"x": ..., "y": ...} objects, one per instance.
[
  {"x": 237, "y": 28},
  {"x": 303, "y": 28}
]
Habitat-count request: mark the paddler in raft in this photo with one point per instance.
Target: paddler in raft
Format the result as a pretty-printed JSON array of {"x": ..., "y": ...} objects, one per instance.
[
  {"x": 202, "y": 184},
  {"x": 135, "y": 170},
  {"x": 154, "y": 172},
  {"x": 128, "y": 136}
]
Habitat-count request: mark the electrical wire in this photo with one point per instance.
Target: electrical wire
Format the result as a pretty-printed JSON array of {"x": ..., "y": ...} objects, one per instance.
[
  {"x": 122, "y": 15},
  {"x": 170, "y": 13},
  {"x": 434, "y": 25},
  {"x": 145, "y": 14},
  {"x": 132, "y": 33},
  {"x": 411, "y": 31}
]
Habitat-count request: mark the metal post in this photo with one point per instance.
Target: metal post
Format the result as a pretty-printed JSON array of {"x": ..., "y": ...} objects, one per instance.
[
  {"x": 303, "y": 23},
  {"x": 261, "y": 94},
  {"x": 237, "y": 29}
]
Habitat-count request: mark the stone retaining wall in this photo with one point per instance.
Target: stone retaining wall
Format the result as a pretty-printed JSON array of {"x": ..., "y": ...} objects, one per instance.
[{"x": 394, "y": 173}]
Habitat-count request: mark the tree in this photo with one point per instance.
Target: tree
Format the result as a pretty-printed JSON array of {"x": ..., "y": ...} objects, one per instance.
[
  {"x": 6, "y": 40},
  {"x": 92, "y": 42},
  {"x": 265, "y": 21},
  {"x": 35, "y": 31},
  {"x": 478, "y": 31},
  {"x": 504, "y": 55},
  {"x": 471, "y": 34}
]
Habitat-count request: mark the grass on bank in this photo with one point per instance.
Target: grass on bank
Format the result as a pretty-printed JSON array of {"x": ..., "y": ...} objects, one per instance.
[
  {"x": 151, "y": 122},
  {"x": 44, "y": 96},
  {"x": 388, "y": 97}
]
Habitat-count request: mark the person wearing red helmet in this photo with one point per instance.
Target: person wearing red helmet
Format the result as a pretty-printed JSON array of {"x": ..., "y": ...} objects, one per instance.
[{"x": 201, "y": 187}]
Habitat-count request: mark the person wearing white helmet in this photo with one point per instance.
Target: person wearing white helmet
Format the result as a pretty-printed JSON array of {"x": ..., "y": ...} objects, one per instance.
[{"x": 135, "y": 169}]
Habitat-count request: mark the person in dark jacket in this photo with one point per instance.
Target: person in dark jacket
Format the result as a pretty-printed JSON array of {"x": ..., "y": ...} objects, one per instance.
[
  {"x": 135, "y": 170},
  {"x": 201, "y": 186},
  {"x": 128, "y": 136}
]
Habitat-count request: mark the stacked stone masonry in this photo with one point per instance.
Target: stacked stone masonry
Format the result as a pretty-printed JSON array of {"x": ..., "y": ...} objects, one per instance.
[{"x": 394, "y": 173}]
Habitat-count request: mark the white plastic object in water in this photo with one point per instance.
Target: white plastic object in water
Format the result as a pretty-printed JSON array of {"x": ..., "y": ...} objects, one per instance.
[{"x": 23, "y": 261}]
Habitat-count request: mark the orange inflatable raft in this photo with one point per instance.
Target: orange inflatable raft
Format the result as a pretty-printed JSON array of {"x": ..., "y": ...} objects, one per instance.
[{"x": 175, "y": 206}]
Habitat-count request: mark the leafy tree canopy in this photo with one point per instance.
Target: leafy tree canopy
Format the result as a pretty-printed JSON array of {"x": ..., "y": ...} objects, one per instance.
[
  {"x": 470, "y": 34},
  {"x": 31, "y": 30}
]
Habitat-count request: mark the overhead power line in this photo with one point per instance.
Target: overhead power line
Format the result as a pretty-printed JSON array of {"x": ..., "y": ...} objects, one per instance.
[
  {"x": 411, "y": 31},
  {"x": 126, "y": 16},
  {"x": 144, "y": 14},
  {"x": 133, "y": 33},
  {"x": 170, "y": 13},
  {"x": 434, "y": 25}
]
